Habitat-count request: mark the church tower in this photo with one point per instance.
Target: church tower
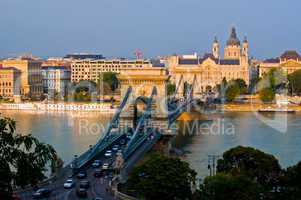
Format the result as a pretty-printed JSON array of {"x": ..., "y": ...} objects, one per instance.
[
  {"x": 215, "y": 48},
  {"x": 233, "y": 48},
  {"x": 245, "y": 47}
]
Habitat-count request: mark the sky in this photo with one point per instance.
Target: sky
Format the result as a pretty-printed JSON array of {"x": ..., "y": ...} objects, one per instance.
[{"x": 116, "y": 28}]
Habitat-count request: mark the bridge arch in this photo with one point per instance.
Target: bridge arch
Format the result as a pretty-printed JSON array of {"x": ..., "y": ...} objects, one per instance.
[
  {"x": 143, "y": 81},
  {"x": 138, "y": 110}
]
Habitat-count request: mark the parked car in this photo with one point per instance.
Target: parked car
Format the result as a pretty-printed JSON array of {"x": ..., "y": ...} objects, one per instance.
[
  {"x": 108, "y": 153},
  {"x": 81, "y": 175},
  {"x": 69, "y": 184},
  {"x": 98, "y": 173},
  {"x": 84, "y": 184},
  {"x": 96, "y": 164},
  {"x": 41, "y": 193},
  {"x": 81, "y": 193}
]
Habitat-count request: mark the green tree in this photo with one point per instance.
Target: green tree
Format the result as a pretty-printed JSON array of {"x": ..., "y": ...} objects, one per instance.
[
  {"x": 171, "y": 89},
  {"x": 290, "y": 183},
  {"x": 267, "y": 95},
  {"x": 160, "y": 177},
  {"x": 23, "y": 158},
  {"x": 295, "y": 82},
  {"x": 110, "y": 79},
  {"x": 232, "y": 91},
  {"x": 228, "y": 187},
  {"x": 242, "y": 85},
  {"x": 257, "y": 165}
]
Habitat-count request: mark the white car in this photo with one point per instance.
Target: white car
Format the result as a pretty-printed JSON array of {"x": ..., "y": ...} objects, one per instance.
[
  {"x": 105, "y": 166},
  {"x": 115, "y": 148},
  {"x": 108, "y": 153},
  {"x": 69, "y": 184}
]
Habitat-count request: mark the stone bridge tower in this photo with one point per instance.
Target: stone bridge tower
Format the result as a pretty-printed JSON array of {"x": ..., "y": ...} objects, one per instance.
[{"x": 143, "y": 80}]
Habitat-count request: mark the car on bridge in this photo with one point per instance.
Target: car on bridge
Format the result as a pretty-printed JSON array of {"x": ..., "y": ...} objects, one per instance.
[
  {"x": 82, "y": 175},
  {"x": 84, "y": 184},
  {"x": 115, "y": 148},
  {"x": 96, "y": 164},
  {"x": 41, "y": 193},
  {"x": 105, "y": 166},
  {"x": 108, "y": 153},
  {"x": 69, "y": 184}
]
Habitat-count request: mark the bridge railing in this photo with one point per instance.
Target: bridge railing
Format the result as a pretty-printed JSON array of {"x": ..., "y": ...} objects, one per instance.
[
  {"x": 106, "y": 140},
  {"x": 142, "y": 121}
]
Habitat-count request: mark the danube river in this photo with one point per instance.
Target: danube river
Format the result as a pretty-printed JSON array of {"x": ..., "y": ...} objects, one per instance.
[{"x": 72, "y": 133}]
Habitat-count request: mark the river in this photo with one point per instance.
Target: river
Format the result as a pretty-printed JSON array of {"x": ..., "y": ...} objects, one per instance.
[{"x": 71, "y": 133}]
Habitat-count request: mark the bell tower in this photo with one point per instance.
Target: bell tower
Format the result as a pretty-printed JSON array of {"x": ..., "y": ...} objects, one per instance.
[
  {"x": 245, "y": 47},
  {"x": 215, "y": 48}
]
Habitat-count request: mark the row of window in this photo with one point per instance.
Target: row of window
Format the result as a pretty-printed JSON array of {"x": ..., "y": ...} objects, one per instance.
[{"x": 8, "y": 84}]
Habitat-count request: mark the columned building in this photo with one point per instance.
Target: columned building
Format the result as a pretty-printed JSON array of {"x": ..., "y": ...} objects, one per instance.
[
  {"x": 209, "y": 70},
  {"x": 289, "y": 62}
]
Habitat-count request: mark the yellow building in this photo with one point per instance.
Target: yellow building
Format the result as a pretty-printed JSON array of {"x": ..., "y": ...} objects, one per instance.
[
  {"x": 289, "y": 62},
  {"x": 89, "y": 69},
  {"x": 10, "y": 82},
  {"x": 209, "y": 70},
  {"x": 31, "y": 77}
]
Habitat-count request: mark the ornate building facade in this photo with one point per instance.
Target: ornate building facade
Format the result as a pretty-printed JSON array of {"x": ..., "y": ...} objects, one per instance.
[
  {"x": 209, "y": 70},
  {"x": 289, "y": 62}
]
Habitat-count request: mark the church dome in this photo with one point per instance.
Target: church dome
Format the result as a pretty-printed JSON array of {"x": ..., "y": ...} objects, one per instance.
[{"x": 233, "y": 40}]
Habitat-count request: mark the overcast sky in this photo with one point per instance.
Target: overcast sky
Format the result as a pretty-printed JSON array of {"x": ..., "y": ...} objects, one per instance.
[{"x": 116, "y": 28}]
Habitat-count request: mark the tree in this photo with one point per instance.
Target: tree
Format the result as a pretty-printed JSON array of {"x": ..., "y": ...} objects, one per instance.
[
  {"x": 290, "y": 183},
  {"x": 110, "y": 79},
  {"x": 267, "y": 95},
  {"x": 160, "y": 177},
  {"x": 23, "y": 159},
  {"x": 257, "y": 165},
  {"x": 228, "y": 187},
  {"x": 295, "y": 82},
  {"x": 232, "y": 91},
  {"x": 171, "y": 89},
  {"x": 242, "y": 85}
]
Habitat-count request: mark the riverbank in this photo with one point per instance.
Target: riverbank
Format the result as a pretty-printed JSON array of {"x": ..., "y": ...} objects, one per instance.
[
  {"x": 233, "y": 107},
  {"x": 59, "y": 107}
]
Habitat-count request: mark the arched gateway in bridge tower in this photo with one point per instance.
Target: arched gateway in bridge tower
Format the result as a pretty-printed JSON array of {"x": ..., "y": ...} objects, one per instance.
[{"x": 143, "y": 80}]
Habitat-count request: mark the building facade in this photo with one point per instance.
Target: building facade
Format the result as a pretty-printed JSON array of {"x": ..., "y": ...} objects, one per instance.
[
  {"x": 92, "y": 69},
  {"x": 31, "y": 77},
  {"x": 56, "y": 80},
  {"x": 10, "y": 82},
  {"x": 209, "y": 70},
  {"x": 289, "y": 62}
]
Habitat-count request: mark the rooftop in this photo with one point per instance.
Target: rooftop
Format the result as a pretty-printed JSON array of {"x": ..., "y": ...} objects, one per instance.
[{"x": 290, "y": 55}]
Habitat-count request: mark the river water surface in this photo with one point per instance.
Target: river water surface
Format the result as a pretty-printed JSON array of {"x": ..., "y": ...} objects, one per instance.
[{"x": 72, "y": 133}]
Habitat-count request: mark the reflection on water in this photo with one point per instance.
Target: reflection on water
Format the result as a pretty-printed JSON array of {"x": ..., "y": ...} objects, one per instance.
[
  {"x": 277, "y": 134},
  {"x": 70, "y": 133}
]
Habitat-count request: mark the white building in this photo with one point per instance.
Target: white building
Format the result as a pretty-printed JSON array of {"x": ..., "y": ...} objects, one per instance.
[{"x": 56, "y": 80}]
